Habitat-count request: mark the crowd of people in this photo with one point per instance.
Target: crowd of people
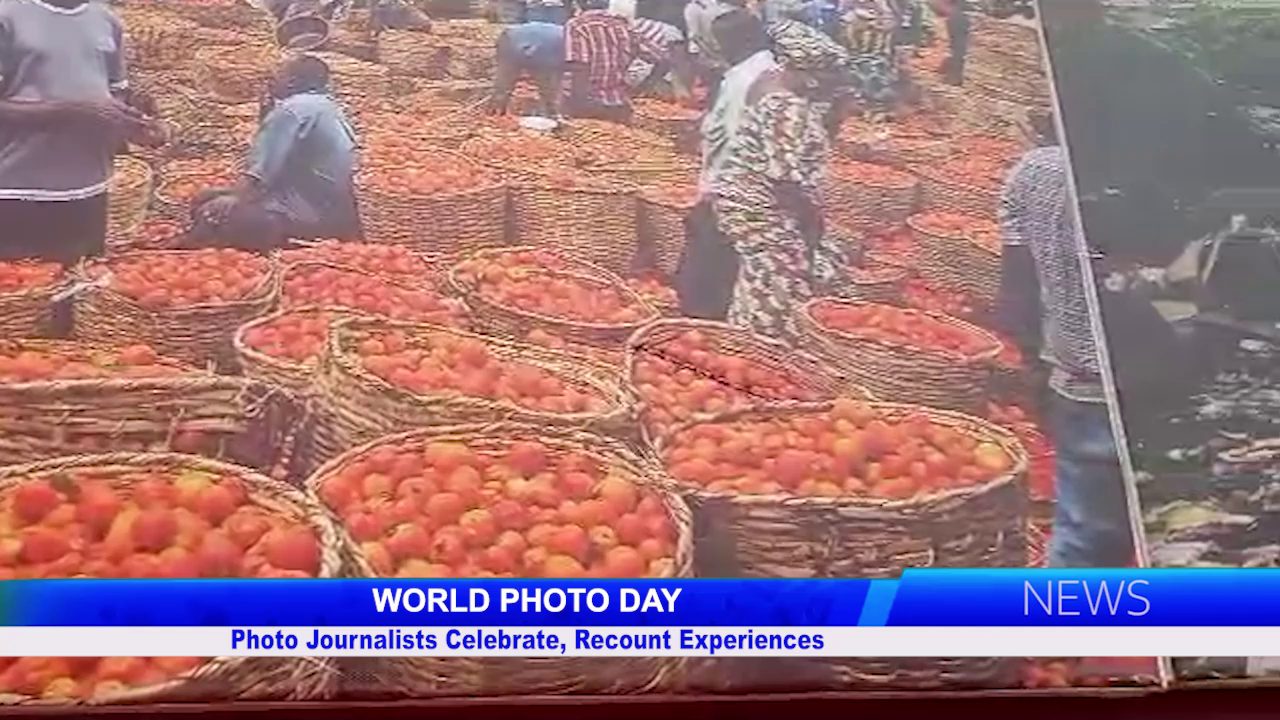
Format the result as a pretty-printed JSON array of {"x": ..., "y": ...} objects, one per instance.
[{"x": 778, "y": 78}]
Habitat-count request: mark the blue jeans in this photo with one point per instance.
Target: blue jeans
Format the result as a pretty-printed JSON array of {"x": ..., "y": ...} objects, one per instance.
[{"x": 1091, "y": 526}]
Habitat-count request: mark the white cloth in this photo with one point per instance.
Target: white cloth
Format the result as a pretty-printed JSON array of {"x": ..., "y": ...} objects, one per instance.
[
  {"x": 698, "y": 16},
  {"x": 625, "y": 8},
  {"x": 722, "y": 120}
]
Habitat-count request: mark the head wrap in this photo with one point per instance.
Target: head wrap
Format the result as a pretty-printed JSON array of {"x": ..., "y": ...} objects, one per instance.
[{"x": 801, "y": 47}]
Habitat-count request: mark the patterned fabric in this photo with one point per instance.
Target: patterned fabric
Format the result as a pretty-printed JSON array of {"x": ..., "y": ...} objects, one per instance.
[
  {"x": 607, "y": 45},
  {"x": 721, "y": 122},
  {"x": 801, "y": 47},
  {"x": 1037, "y": 211},
  {"x": 868, "y": 30},
  {"x": 780, "y": 148},
  {"x": 698, "y": 17}
]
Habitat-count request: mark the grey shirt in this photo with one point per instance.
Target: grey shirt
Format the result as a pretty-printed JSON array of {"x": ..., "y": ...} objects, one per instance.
[
  {"x": 48, "y": 53},
  {"x": 305, "y": 156}
]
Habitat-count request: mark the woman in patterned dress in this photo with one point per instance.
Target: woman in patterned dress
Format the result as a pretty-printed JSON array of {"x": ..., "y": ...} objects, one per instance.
[
  {"x": 870, "y": 34},
  {"x": 767, "y": 193}
]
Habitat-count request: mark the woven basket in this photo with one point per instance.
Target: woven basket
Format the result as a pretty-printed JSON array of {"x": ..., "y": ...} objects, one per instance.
[
  {"x": 942, "y": 193},
  {"x": 228, "y": 417},
  {"x": 218, "y": 130},
  {"x": 226, "y": 15},
  {"x": 661, "y": 229},
  {"x": 598, "y": 224},
  {"x": 462, "y": 676},
  {"x": 806, "y": 371},
  {"x": 299, "y": 378},
  {"x": 199, "y": 334},
  {"x": 26, "y": 313},
  {"x": 224, "y": 678},
  {"x": 959, "y": 264},
  {"x": 881, "y": 284},
  {"x": 157, "y": 39},
  {"x": 411, "y": 54},
  {"x": 447, "y": 224},
  {"x": 902, "y": 373},
  {"x": 363, "y": 406},
  {"x": 881, "y": 205},
  {"x": 197, "y": 173},
  {"x": 354, "y": 80},
  {"x": 848, "y": 536},
  {"x": 128, "y": 196},
  {"x": 684, "y": 133},
  {"x": 233, "y": 75},
  {"x": 836, "y": 537},
  {"x": 516, "y": 322}
]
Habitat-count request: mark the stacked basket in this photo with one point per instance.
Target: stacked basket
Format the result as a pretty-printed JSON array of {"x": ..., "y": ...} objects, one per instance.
[
  {"x": 878, "y": 195},
  {"x": 128, "y": 197},
  {"x": 965, "y": 260},
  {"x": 233, "y": 75},
  {"x": 662, "y": 224},
  {"x": 591, "y": 219},
  {"x": 904, "y": 372},
  {"x": 552, "y": 675},
  {"x": 26, "y": 312},
  {"x": 448, "y": 223},
  {"x": 197, "y": 334}
]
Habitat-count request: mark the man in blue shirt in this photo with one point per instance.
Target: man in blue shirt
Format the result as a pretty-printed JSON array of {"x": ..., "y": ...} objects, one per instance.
[
  {"x": 535, "y": 49},
  {"x": 298, "y": 180}
]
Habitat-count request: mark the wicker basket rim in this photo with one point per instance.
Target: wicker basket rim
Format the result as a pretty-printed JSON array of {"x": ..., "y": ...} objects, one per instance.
[
  {"x": 643, "y": 470},
  {"x": 1007, "y": 439},
  {"x": 470, "y": 293},
  {"x": 270, "y": 283},
  {"x": 806, "y": 312},
  {"x": 615, "y": 395}
]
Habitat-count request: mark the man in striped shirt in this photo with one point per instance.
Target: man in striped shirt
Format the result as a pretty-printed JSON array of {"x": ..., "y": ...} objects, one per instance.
[
  {"x": 677, "y": 82},
  {"x": 599, "y": 49},
  {"x": 1045, "y": 306}
]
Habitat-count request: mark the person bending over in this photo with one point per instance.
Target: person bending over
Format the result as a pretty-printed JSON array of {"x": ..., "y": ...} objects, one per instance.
[{"x": 533, "y": 49}]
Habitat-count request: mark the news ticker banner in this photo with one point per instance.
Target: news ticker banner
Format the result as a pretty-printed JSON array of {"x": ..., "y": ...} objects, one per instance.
[{"x": 927, "y": 613}]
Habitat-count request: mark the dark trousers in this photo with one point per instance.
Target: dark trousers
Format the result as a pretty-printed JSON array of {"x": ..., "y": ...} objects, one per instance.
[
  {"x": 708, "y": 269},
  {"x": 248, "y": 226},
  {"x": 64, "y": 232},
  {"x": 958, "y": 40}
]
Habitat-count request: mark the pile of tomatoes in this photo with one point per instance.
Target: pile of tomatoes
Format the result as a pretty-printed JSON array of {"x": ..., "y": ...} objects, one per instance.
[
  {"x": 324, "y": 285},
  {"x": 602, "y": 355},
  {"x": 911, "y": 328},
  {"x": 374, "y": 258},
  {"x": 182, "y": 278},
  {"x": 187, "y": 178},
  {"x": 435, "y": 363},
  {"x": 655, "y": 292},
  {"x": 23, "y": 275},
  {"x": 65, "y": 363},
  {"x": 298, "y": 337},
  {"x": 852, "y": 450},
  {"x": 87, "y": 677},
  {"x": 692, "y": 374},
  {"x": 895, "y": 248},
  {"x": 523, "y": 509},
  {"x": 663, "y": 110}
]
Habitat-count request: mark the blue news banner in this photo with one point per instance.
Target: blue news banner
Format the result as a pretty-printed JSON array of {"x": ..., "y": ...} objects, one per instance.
[{"x": 696, "y": 616}]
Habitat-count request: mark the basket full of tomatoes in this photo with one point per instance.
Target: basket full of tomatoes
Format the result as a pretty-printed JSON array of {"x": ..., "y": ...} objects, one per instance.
[
  {"x": 160, "y": 515},
  {"x": 562, "y": 295},
  {"x": 681, "y": 369},
  {"x": 882, "y": 195},
  {"x": 963, "y": 184},
  {"x": 186, "y": 304},
  {"x": 234, "y": 74},
  {"x": 663, "y": 210},
  {"x": 902, "y": 354},
  {"x": 381, "y": 377},
  {"x": 27, "y": 290},
  {"x": 132, "y": 398},
  {"x": 128, "y": 196},
  {"x": 959, "y": 252},
  {"x": 428, "y": 199},
  {"x": 505, "y": 500},
  {"x": 590, "y": 217},
  {"x": 851, "y": 488}
]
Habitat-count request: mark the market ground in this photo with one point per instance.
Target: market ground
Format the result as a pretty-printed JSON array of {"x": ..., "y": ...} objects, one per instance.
[{"x": 1232, "y": 703}]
